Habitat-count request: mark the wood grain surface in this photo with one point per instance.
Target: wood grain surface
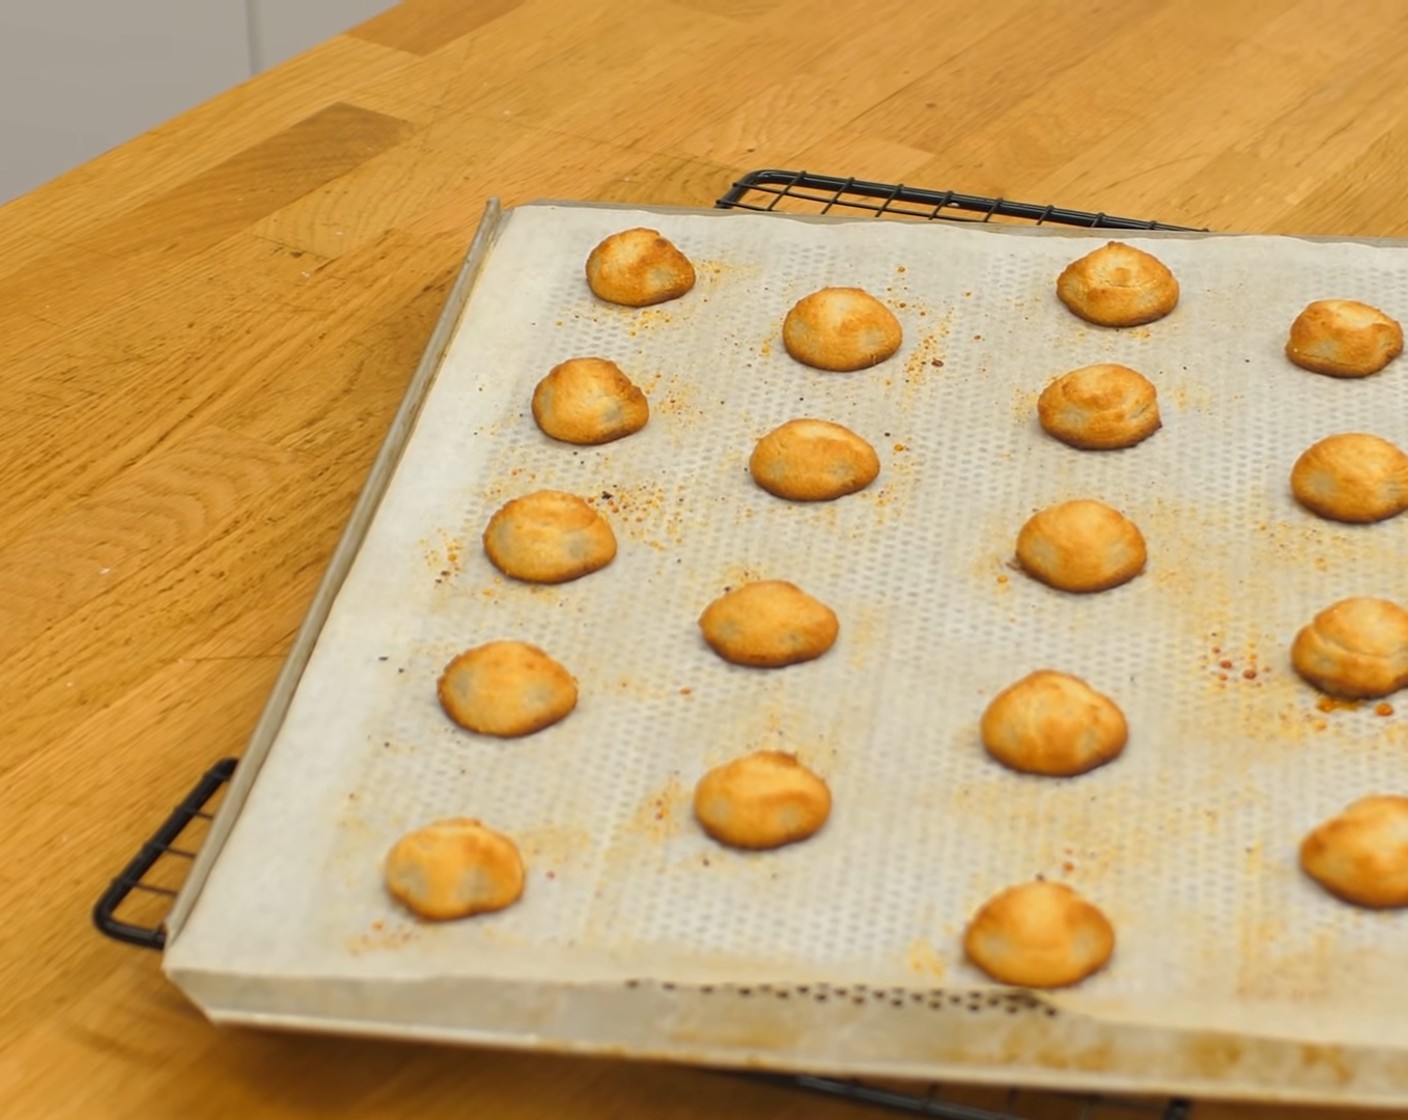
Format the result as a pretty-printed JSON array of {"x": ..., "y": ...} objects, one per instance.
[{"x": 207, "y": 330}]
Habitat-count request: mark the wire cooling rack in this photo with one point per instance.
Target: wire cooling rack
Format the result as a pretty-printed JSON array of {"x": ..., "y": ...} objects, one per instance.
[
  {"x": 134, "y": 907},
  {"x": 801, "y": 192}
]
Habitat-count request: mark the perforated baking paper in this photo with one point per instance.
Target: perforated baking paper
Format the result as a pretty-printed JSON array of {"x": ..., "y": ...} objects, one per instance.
[{"x": 1188, "y": 841}]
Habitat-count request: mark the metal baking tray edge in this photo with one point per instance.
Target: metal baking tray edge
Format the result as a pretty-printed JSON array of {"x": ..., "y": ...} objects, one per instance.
[{"x": 266, "y": 729}]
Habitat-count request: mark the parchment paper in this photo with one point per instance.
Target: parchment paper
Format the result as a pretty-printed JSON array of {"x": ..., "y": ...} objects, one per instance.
[{"x": 1188, "y": 841}]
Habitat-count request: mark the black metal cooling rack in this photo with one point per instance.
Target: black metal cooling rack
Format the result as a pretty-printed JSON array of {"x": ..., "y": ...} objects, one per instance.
[
  {"x": 802, "y": 192},
  {"x": 133, "y": 909}
]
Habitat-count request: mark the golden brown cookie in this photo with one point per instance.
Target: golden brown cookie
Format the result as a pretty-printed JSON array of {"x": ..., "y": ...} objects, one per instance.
[
  {"x": 507, "y": 689},
  {"x": 1081, "y": 546},
  {"x": 841, "y": 329},
  {"x": 1100, "y": 407},
  {"x": 1361, "y": 855},
  {"x": 768, "y": 624},
  {"x": 1054, "y": 724},
  {"x": 813, "y": 461},
  {"x": 1356, "y": 648},
  {"x": 1352, "y": 477},
  {"x": 1343, "y": 338},
  {"x": 638, "y": 267},
  {"x": 1118, "y": 285},
  {"x": 588, "y": 401},
  {"x": 548, "y": 537},
  {"x": 454, "y": 868},
  {"x": 762, "y": 800},
  {"x": 1039, "y": 935}
]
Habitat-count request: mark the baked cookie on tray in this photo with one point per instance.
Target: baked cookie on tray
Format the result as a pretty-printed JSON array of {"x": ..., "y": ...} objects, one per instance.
[
  {"x": 1081, "y": 546},
  {"x": 454, "y": 868},
  {"x": 1356, "y": 648},
  {"x": 813, "y": 461},
  {"x": 1118, "y": 285},
  {"x": 1039, "y": 935},
  {"x": 1353, "y": 476},
  {"x": 1053, "y": 724},
  {"x": 769, "y": 624},
  {"x": 841, "y": 329},
  {"x": 589, "y": 401},
  {"x": 1360, "y": 855},
  {"x": 762, "y": 800},
  {"x": 548, "y": 536},
  {"x": 638, "y": 267},
  {"x": 1343, "y": 338},
  {"x": 507, "y": 689},
  {"x": 1101, "y": 407}
]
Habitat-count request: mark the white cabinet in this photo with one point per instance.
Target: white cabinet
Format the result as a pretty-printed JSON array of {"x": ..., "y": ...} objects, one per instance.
[{"x": 78, "y": 77}]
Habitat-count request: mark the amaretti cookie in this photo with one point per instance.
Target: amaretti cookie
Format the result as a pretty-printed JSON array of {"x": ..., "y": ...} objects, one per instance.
[
  {"x": 768, "y": 624},
  {"x": 1039, "y": 935},
  {"x": 1081, "y": 546},
  {"x": 1100, "y": 407},
  {"x": 638, "y": 267},
  {"x": 1361, "y": 855},
  {"x": 1352, "y": 477},
  {"x": 453, "y": 869},
  {"x": 813, "y": 461},
  {"x": 1343, "y": 338},
  {"x": 762, "y": 800},
  {"x": 841, "y": 329},
  {"x": 507, "y": 689},
  {"x": 548, "y": 536},
  {"x": 1356, "y": 648},
  {"x": 1053, "y": 724},
  {"x": 589, "y": 401},
  {"x": 1118, "y": 285}
]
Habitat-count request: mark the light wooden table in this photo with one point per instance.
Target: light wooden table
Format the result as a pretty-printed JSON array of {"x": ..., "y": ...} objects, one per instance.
[{"x": 205, "y": 333}]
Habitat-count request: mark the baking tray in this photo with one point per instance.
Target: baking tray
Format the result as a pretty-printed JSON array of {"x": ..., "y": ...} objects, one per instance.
[
  {"x": 764, "y": 190},
  {"x": 986, "y": 1035},
  {"x": 134, "y": 907}
]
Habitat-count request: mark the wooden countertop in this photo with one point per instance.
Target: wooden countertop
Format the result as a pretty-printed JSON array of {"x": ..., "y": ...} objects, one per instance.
[{"x": 206, "y": 332}]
